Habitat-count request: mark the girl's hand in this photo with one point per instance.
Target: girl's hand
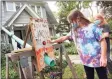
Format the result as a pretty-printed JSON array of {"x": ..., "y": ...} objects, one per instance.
[{"x": 103, "y": 61}]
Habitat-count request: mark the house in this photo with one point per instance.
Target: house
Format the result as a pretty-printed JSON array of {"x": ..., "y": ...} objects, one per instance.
[{"x": 16, "y": 15}]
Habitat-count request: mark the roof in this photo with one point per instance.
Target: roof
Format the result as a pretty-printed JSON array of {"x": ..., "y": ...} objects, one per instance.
[
  {"x": 49, "y": 13},
  {"x": 16, "y": 14}
]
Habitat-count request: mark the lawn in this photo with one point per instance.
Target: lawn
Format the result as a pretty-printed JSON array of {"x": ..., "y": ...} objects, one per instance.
[
  {"x": 80, "y": 73},
  {"x": 67, "y": 72}
]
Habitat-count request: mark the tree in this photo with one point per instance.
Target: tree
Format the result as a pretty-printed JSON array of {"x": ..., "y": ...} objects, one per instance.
[
  {"x": 106, "y": 7},
  {"x": 64, "y": 8}
]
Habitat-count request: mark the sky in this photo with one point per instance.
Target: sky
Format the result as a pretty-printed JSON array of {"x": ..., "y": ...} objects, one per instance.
[
  {"x": 52, "y": 5},
  {"x": 87, "y": 13}
]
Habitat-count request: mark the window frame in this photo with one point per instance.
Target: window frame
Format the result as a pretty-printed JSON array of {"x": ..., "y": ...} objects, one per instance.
[{"x": 13, "y": 4}]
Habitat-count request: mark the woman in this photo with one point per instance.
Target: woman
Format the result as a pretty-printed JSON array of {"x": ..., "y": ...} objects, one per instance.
[
  {"x": 90, "y": 44},
  {"x": 106, "y": 31}
]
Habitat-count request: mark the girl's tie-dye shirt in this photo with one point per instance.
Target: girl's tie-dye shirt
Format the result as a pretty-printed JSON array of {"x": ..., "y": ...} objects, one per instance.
[{"x": 87, "y": 40}]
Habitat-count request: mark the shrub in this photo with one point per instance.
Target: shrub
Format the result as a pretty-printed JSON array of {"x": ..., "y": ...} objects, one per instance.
[
  {"x": 6, "y": 48},
  {"x": 110, "y": 23},
  {"x": 12, "y": 72},
  {"x": 70, "y": 48}
]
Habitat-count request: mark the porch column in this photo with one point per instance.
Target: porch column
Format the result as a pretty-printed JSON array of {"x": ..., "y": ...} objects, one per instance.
[
  {"x": 6, "y": 40},
  {"x": 41, "y": 11},
  {"x": 14, "y": 43},
  {"x": 54, "y": 31}
]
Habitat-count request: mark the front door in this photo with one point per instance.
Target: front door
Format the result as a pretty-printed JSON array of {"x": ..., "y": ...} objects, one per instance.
[{"x": 18, "y": 33}]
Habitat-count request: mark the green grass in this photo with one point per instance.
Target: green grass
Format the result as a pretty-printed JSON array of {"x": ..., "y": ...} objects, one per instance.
[
  {"x": 80, "y": 72},
  {"x": 67, "y": 73},
  {"x": 12, "y": 72}
]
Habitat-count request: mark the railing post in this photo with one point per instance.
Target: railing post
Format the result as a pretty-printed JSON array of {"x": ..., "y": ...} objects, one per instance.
[
  {"x": 69, "y": 63},
  {"x": 7, "y": 67},
  {"x": 61, "y": 53}
]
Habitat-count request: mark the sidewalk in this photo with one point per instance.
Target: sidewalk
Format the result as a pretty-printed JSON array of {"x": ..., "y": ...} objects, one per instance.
[{"x": 76, "y": 59}]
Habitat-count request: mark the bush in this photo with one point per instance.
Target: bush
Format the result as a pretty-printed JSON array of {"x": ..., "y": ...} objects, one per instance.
[
  {"x": 12, "y": 72},
  {"x": 70, "y": 48},
  {"x": 110, "y": 24},
  {"x": 6, "y": 48}
]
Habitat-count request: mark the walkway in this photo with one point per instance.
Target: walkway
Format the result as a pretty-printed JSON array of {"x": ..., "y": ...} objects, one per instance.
[{"x": 76, "y": 59}]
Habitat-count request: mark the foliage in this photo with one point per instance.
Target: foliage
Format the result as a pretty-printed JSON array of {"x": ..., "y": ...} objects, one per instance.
[
  {"x": 107, "y": 8},
  {"x": 64, "y": 8},
  {"x": 12, "y": 74},
  {"x": 56, "y": 68},
  {"x": 6, "y": 48},
  {"x": 80, "y": 72},
  {"x": 70, "y": 48},
  {"x": 110, "y": 23},
  {"x": 67, "y": 72}
]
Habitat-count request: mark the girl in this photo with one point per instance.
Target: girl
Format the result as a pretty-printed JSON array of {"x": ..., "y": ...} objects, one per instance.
[{"x": 90, "y": 44}]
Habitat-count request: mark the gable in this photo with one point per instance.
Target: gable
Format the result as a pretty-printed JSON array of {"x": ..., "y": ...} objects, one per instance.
[
  {"x": 23, "y": 18},
  {"x": 25, "y": 9}
]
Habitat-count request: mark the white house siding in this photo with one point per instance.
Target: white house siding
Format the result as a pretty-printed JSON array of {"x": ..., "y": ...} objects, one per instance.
[
  {"x": 0, "y": 13},
  {"x": 44, "y": 13},
  {"x": 2, "y": 17},
  {"x": 23, "y": 18},
  {"x": 5, "y": 14}
]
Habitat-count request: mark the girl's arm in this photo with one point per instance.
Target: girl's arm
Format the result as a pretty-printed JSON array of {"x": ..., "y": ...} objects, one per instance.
[
  {"x": 103, "y": 60},
  {"x": 61, "y": 39}
]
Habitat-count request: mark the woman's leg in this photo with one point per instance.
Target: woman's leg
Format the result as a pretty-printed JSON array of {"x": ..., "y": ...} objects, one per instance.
[
  {"x": 89, "y": 72},
  {"x": 102, "y": 72}
]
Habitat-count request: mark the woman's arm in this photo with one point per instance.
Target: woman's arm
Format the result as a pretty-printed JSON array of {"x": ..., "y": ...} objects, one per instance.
[
  {"x": 106, "y": 31},
  {"x": 106, "y": 34}
]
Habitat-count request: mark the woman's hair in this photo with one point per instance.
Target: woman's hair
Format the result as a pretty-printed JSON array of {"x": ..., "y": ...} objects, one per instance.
[
  {"x": 101, "y": 17},
  {"x": 74, "y": 14}
]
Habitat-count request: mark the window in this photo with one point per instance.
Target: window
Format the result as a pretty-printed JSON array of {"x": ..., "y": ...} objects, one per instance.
[{"x": 10, "y": 6}]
